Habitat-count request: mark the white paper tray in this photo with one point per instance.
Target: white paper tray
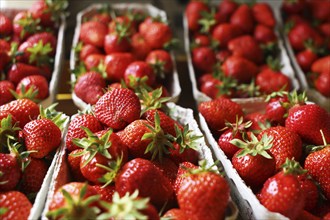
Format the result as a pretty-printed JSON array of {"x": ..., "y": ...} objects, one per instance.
[{"x": 173, "y": 88}]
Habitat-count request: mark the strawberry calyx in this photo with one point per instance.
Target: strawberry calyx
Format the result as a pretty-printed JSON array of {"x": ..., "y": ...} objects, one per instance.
[
  {"x": 171, "y": 44},
  {"x": 255, "y": 146},
  {"x": 207, "y": 21},
  {"x": 239, "y": 126},
  {"x": 56, "y": 8},
  {"x": 29, "y": 25},
  {"x": 31, "y": 93},
  {"x": 112, "y": 169},
  {"x": 39, "y": 53},
  {"x": 290, "y": 166},
  {"x": 13, "y": 53},
  {"x": 3, "y": 210},
  {"x": 101, "y": 69},
  {"x": 311, "y": 148},
  {"x": 123, "y": 30},
  {"x": 127, "y": 207},
  {"x": 249, "y": 90},
  {"x": 227, "y": 86},
  {"x": 8, "y": 132},
  {"x": 274, "y": 64},
  {"x": 76, "y": 207},
  {"x": 282, "y": 93},
  {"x": 186, "y": 139},
  {"x": 270, "y": 49},
  {"x": 22, "y": 157},
  {"x": 152, "y": 99},
  {"x": 50, "y": 113},
  {"x": 160, "y": 142},
  {"x": 79, "y": 70},
  {"x": 136, "y": 83},
  {"x": 203, "y": 167},
  {"x": 295, "y": 99},
  {"x": 135, "y": 15}
]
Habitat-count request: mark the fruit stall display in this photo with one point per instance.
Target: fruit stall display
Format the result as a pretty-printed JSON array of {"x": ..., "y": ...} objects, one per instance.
[
  {"x": 139, "y": 162},
  {"x": 235, "y": 50},
  {"x": 31, "y": 51},
  {"x": 30, "y": 139},
  {"x": 124, "y": 43},
  {"x": 263, "y": 155},
  {"x": 307, "y": 37}
]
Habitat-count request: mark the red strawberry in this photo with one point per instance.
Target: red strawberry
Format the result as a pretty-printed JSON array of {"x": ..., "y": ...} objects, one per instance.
[
  {"x": 263, "y": 14},
  {"x": 322, "y": 83},
  {"x": 239, "y": 68},
  {"x": 140, "y": 48},
  {"x": 74, "y": 165},
  {"x": 259, "y": 121},
  {"x": 227, "y": 8},
  {"x": 264, "y": 34},
  {"x": 102, "y": 16},
  {"x": 116, "y": 64},
  {"x": 316, "y": 163},
  {"x": 214, "y": 87},
  {"x": 115, "y": 42},
  {"x": 193, "y": 14},
  {"x": 117, "y": 108},
  {"x": 218, "y": 111},
  {"x": 5, "y": 95},
  {"x": 320, "y": 10},
  {"x": 106, "y": 193},
  {"x": 177, "y": 214},
  {"x": 33, "y": 176},
  {"x": 203, "y": 59},
  {"x": 283, "y": 186},
  {"x": 201, "y": 40},
  {"x": 270, "y": 81},
  {"x": 74, "y": 130},
  {"x": 161, "y": 62},
  {"x": 4, "y": 54},
  {"x": 6, "y": 25},
  {"x": 138, "y": 73},
  {"x": 223, "y": 33},
  {"x": 243, "y": 18},
  {"x": 92, "y": 32},
  {"x": 140, "y": 174},
  {"x": 182, "y": 174},
  {"x": 325, "y": 29},
  {"x": 305, "y": 59},
  {"x": 321, "y": 65},
  {"x": 123, "y": 24},
  {"x": 144, "y": 25},
  {"x": 252, "y": 161},
  {"x": 89, "y": 87},
  {"x": 293, "y": 7},
  {"x": 93, "y": 61},
  {"x": 10, "y": 171},
  {"x": 286, "y": 144},
  {"x": 87, "y": 50},
  {"x": 36, "y": 83},
  {"x": 307, "y": 121},
  {"x": 168, "y": 168},
  {"x": 24, "y": 25},
  {"x": 204, "y": 195},
  {"x": 158, "y": 35},
  {"x": 23, "y": 110},
  {"x": 16, "y": 204},
  {"x": 307, "y": 184},
  {"x": 247, "y": 47},
  {"x": 275, "y": 111}
]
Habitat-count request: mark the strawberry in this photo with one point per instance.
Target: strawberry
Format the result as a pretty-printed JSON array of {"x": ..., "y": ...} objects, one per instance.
[
  {"x": 168, "y": 168},
  {"x": 283, "y": 186},
  {"x": 293, "y": 7},
  {"x": 270, "y": 80},
  {"x": 223, "y": 33},
  {"x": 201, "y": 40},
  {"x": 116, "y": 42},
  {"x": 71, "y": 197},
  {"x": 193, "y": 14},
  {"x": 136, "y": 175},
  {"x": 158, "y": 35},
  {"x": 138, "y": 73},
  {"x": 10, "y": 171},
  {"x": 182, "y": 174},
  {"x": 247, "y": 47},
  {"x": 307, "y": 184},
  {"x": 239, "y": 68},
  {"x": 15, "y": 205},
  {"x": 305, "y": 59},
  {"x": 203, "y": 59},
  {"x": 33, "y": 176},
  {"x": 286, "y": 144},
  {"x": 5, "y": 95},
  {"x": 93, "y": 61},
  {"x": 36, "y": 84},
  {"x": 106, "y": 193},
  {"x": 116, "y": 64},
  {"x": 161, "y": 62},
  {"x": 264, "y": 35},
  {"x": 307, "y": 121},
  {"x": 218, "y": 111},
  {"x": 263, "y": 14},
  {"x": 275, "y": 109},
  {"x": 227, "y": 8},
  {"x": 252, "y": 161},
  {"x": 102, "y": 15},
  {"x": 320, "y": 10},
  {"x": 89, "y": 87},
  {"x": 24, "y": 25},
  {"x": 92, "y": 32},
  {"x": 217, "y": 86},
  {"x": 74, "y": 164},
  {"x": 74, "y": 130},
  {"x": 203, "y": 194},
  {"x": 23, "y": 110},
  {"x": 4, "y": 54},
  {"x": 117, "y": 108},
  {"x": 87, "y": 50},
  {"x": 322, "y": 82},
  {"x": 6, "y": 25},
  {"x": 243, "y": 18},
  {"x": 123, "y": 25},
  {"x": 144, "y": 25},
  {"x": 325, "y": 29},
  {"x": 175, "y": 213},
  {"x": 321, "y": 65},
  {"x": 315, "y": 164},
  {"x": 140, "y": 48},
  {"x": 259, "y": 121}
]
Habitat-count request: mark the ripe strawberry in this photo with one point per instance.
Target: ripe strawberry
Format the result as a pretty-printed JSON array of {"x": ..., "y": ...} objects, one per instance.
[
  {"x": 227, "y": 8},
  {"x": 92, "y": 32},
  {"x": 181, "y": 174},
  {"x": 305, "y": 59},
  {"x": 5, "y": 95},
  {"x": 320, "y": 10},
  {"x": 23, "y": 110},
  {"x": 168, "y": 168},
  {"x": 321, "y": 65},
  {"x": 283, "y": 186},
  {"x": 88, "y": 49},
  {"x": 10, "y": 171},
  {"x": 24, "y": 25},
  {"x": 161, "y": 62},
  {"x": 33, "y": 176},
  {"x": 218, "y": 111},
  {"x": 252, "y": 161},
  {"x": 322, "y": 83},
  {"x": 140, "y": 48},
  {"x": 270, "y": 81},
  {"x": 308, "y": 186},
  {"x": 203, "y": 59},
  {"x": 138, "y": 73},
  {"x": 89, "y": 87},
  {"x": 117, "y": 108},
  {"x": 71, "y": 197},
  {"x": 264, "y": 35},
  {"x": 239, "y": 68},
  {"x": 157, "y": 35},
  {"x": 307, "y": 121},
  {"x": 315, "y": 164},
  {"x": 259, "y": 121},
  {"x": 16, "y": 204},
  {"x": 4, "y": 54},
  {"x": 74, "y": 164},
  {"x": 106, "y": 193},
  {"x": 41, "y": 135},
  {"x": 293, "y": 7},
  {"x": 286, "y": 144},
  {"x": 102, "y": 16},
  {"x": 204, "y": 194},
  {"x": 74, "y": 130},
  {"x": 263, "y": 14},
  {"x": 116, "y": 64},
  {"x": 275, "y": 110},
  {"x": 136, "y": 175},
  {"x": 243, "y": 18},
  {"x": 93, "y": 61},
  {"x": 223, "y": 33},
  {"x": 175, "y": 213},
  {"x": 37, "y": 84},
  {"x": 216, "y": 86},
  {"x": 144, "y": 25},
  {"x": 247, "y": 47},
  {"x": 6, "y": 25},
  {"x": 193, "y": 14},
  {"x": 201, "y": 40},
  {"x": 123, "y": 24},
  {"x": 116, "y": 42}
]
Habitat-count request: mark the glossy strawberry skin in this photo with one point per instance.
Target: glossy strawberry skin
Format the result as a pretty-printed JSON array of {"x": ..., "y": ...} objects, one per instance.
[
  {"x": 203, "y": 59},
  {"x": 93, "y": 61},
  {"x": 105, "y": 193},
  {"x": 177, "y": 214},
  {"x": 227, "y": 8},
  {"x": 11, "y": 172},
  {"x": 310, "y": 190},
  {"x": 225, "y": 145},
  {"x": 160, "y": 56},
  {"x": 140, "y": 48},
  {"x": 223, "y": 33},
  {"x": 264, "y": 34},
  {"x": 5, "y": 95},
  {"x": 17, "y": 203},
  {"x": 272, "y": 81},
  {"x": 322, "y": 83},
  {"x": 321, "y": 65},
  {"x": 157, "y": 35},
  {"x": 243, "y": 18},
  {"x": 188, "y": 155},
  {"x": 116, "y": 64},
  {"x": 6, "y": 25},
  {"x": 239, "y": 68},
  {"x": 93, "y": 33},
  {"x": 140, "y": 69},
  {"x": 117, "y": 108},
  {"x": 114, "y": 43},
  {"x": 192, "y": 11},
  {"x": 263, "y": 14},
  {"x": 74, "y": 165},
  {"x": 37, "y": 82},
  {"x": 87, "y": 50},
  {"x": 305, "y": 59},
  {"x": 275, "y": 111}
]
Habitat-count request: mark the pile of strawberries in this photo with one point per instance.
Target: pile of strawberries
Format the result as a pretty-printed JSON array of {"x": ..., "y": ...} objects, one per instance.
[
  {"x": 27, "y": 50},
  {"x": 130, "y": 160},
  {"x": 270, "y": 149},
  {"x": 235, "y": 50},
  {"x": 115, "y": 47},
  {"x": 28, "y": 139},
  {"x": 308, "y": 31}
]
